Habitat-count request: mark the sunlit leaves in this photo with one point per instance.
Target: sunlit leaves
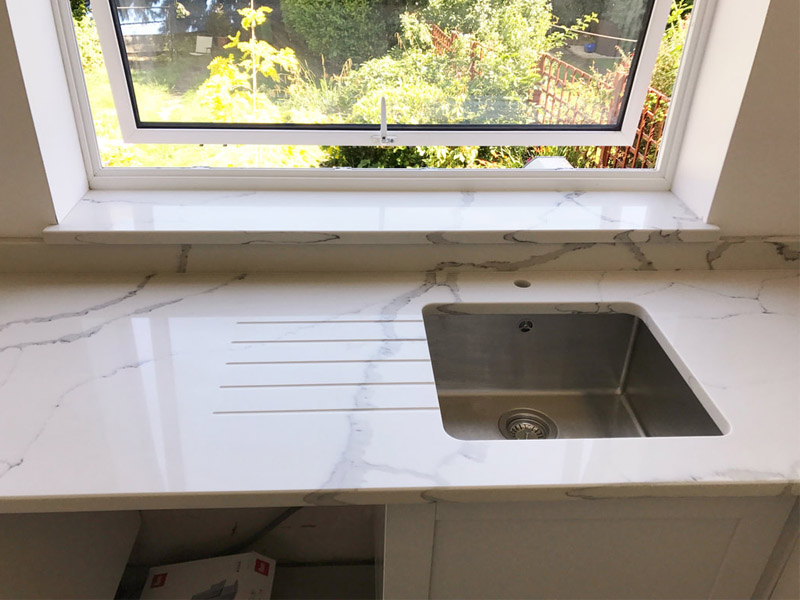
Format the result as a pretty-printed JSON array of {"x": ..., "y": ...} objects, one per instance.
[
  {"x": 253, "y": 17},
  {"x": 233, "y": 91}
]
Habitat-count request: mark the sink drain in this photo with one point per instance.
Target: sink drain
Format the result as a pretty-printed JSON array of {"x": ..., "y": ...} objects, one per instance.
[{"x": 527, "y": 424}]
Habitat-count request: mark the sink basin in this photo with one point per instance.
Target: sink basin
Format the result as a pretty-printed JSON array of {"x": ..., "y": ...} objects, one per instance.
[{"x": 531, "y": 372}]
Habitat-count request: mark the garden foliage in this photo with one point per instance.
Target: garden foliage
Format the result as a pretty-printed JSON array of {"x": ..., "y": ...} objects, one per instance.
[
  {"x": 342, "y": 30},
  {"x": 88, "y": 44},
  {"x": 79, "y": 8},
  {"x": 234, "y": 91},
  {"x": 671, "y": 50},
  {"x": 485, "y": 76}
]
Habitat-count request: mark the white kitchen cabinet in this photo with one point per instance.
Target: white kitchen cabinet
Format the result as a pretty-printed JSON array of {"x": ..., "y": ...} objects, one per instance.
[
  {"x": 609, "y": 548},
  {"x": 581, "y": 548},
  {"x": 64, "y": 555},
  {"x": 781, "y": 578},
  {"x": 788, "y": 585}
]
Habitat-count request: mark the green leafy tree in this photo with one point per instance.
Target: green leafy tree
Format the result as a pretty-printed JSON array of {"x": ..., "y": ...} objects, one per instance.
[
  {"x": 88, "y": 43},
  {"x": 671, "y": 49},
  {"x": 627, "y": 15},
  {"x": 569, "y": 11},
  {"x": 218, "y": 24},
  {"x": 486, "y": 76},
  {"x": 343, "y": 30},
  {"x": 79, "y": 8}
]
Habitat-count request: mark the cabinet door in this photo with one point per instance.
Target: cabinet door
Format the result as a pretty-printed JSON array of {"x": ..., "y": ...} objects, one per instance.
[
  {"x": 64, "y": 555},
  {"x": 406, "y": 552},
  {"x": 787, "y": 586},
  {"x": 781, "y": 578},
  {"x": 634, "y": 548}
]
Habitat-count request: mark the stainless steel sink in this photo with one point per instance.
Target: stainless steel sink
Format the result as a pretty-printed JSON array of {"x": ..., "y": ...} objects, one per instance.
[{"x": 502, "y": 372}]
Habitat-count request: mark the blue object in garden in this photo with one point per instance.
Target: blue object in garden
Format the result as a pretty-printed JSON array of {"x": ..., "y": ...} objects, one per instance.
[{"x": 590, "y": 47}]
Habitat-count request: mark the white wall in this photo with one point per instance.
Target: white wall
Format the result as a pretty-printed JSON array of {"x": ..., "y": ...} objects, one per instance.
[
  {"x": 49, "y": 99},
  {"x": 759, "y": 189},
  {"x": 25, "y": 202}
]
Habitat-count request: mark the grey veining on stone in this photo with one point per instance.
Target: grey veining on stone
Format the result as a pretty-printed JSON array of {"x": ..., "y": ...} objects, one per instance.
[{"x": 442, "y": 251}]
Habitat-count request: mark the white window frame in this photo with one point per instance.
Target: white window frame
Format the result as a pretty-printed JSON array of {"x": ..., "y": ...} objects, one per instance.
[
  {"x": 622, "y": 135},
  {"x": 674, "y": 168}
]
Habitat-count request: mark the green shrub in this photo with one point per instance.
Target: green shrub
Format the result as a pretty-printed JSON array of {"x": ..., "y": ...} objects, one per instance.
[
  {"x": 79, "y": 8},
  {"x": 498, "y": 18},
  {"x": 365, "y": 157},
  {"x": 465, "y": 16},
  {"x": 487, "y": 83},
  {"x": 569, "y": 11},
  {"x": 345, "y": 29},
  {"x": 627, "y": 15},
  {"x": 218, "y": 24},
  {"x": 430, "y": 157},
  {"x": 88, "y": 44},
  {"x": 671, "y": 50}
]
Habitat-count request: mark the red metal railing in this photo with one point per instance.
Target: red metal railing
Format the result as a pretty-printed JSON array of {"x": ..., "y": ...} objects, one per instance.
[
  {"x": 644, "y": 151},
  {"x": 562, "y": 94},
  {"x": 559, "y": 100},
  {"x": 443, "y": 42}
]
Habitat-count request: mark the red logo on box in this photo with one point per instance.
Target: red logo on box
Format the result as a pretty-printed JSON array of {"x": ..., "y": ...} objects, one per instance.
[
  {"x": 159, "y": 579},
  {"x": 262, "y": 566}
]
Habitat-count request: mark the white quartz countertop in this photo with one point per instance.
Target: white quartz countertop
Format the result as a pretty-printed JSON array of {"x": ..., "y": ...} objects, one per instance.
[{"x": 187, "y": 390}]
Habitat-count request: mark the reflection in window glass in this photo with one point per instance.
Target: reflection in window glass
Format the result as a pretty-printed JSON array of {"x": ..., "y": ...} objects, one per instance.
[{"x": 442, "y": 62}]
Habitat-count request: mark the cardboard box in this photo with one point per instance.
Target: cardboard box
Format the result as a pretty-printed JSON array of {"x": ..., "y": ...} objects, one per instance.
[{"x": 246, "y": 576}]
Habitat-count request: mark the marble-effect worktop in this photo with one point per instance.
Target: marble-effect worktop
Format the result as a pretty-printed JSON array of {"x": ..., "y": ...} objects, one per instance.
[
  {"x": 298, "y": 218},
  {"x": 202, "y": 390}
]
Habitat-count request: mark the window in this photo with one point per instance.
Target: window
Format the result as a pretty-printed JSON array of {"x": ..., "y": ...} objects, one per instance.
[
  {"x": 583, "y": 86},
  {"x": 437, "y": 72}
]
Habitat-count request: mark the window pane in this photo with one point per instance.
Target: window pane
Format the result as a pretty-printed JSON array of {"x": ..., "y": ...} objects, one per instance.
[
  {"x": 169, "y": 95},
  {"x": 439, "y": 63}
]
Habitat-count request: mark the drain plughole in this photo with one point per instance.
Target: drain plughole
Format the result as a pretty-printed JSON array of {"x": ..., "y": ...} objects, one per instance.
[{"x": 527, "y": 424}]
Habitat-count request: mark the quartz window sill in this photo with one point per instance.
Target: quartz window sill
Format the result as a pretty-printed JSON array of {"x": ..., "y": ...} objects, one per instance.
[{"x": 424, "y": 218}]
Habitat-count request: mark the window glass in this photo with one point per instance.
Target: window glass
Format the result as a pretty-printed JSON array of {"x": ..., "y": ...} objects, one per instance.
[{"x": 438, "y": 63}]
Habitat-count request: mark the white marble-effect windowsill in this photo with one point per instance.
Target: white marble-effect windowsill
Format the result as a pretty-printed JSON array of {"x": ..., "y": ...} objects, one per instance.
[{"x": 425, "y": 218}]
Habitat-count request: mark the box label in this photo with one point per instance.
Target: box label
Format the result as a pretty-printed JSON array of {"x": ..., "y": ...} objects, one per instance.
[{"x": 262, "y": 566}]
